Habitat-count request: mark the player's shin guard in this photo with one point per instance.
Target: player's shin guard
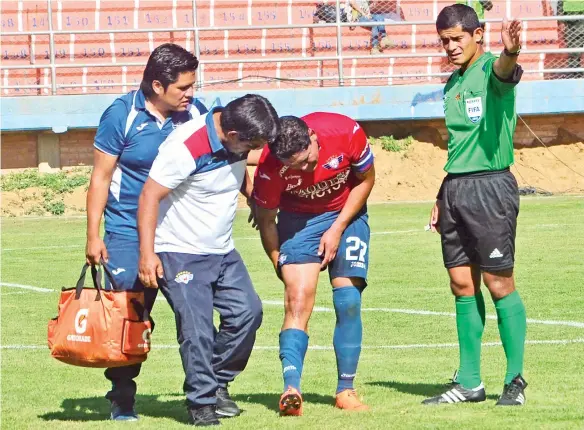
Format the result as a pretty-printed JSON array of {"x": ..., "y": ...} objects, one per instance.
[
  {"x": 470, "y": 324},
  {"x": 512, "y": 327},
  {"x": 293, "y": 346},
  {"x": 348, "y": 334}
]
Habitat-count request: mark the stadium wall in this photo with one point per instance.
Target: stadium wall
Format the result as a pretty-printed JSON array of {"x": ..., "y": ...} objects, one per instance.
[{"x": 56, "y": 132}]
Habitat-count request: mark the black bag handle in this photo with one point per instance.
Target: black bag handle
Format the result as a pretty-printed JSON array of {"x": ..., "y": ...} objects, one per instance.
[
  {"x": 109, "y": 275},
  {"x": 143, "y": 313},
  {"x": 95, "y": 277}
]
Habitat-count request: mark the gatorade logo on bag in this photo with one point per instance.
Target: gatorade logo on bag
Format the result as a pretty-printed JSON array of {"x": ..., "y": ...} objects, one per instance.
[{"x": 80, "y": 327}]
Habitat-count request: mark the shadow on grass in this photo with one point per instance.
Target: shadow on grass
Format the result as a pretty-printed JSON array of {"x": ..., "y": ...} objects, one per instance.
[
  {"x": 98, "y": 408},
  {"x": 417, "y": 389}
]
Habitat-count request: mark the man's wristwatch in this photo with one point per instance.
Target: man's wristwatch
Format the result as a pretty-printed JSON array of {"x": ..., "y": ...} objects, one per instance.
[{"x": 512, "y": 54}]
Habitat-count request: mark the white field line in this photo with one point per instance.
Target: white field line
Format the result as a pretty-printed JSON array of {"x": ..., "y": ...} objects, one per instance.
[
  {"x": 27, "y": 287},
  {"x": 432, "y": 313},
  {"x": 325, "y": 309},
  {"x": 330, "y": 347},
  {"x": 257, "y": 237}
]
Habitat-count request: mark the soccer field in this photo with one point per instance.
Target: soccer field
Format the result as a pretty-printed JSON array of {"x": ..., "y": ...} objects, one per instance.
[{"x": 409, "y": 342}]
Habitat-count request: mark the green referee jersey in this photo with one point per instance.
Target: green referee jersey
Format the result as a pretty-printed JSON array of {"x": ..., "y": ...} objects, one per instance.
[{"x": 480, "y": 116}]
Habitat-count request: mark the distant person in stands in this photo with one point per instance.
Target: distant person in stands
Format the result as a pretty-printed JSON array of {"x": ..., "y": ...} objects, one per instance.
[
  {"x": 373, "y": 11},
  {"x": 126, "y": 143},
  {"x": 573, "y": 33}
]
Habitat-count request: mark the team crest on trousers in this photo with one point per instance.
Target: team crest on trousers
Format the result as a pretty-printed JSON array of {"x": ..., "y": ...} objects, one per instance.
[{"x": 474, "y": 109}]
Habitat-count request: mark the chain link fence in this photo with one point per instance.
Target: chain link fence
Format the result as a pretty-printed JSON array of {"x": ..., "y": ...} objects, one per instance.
[{"x": 62, "y": 47}]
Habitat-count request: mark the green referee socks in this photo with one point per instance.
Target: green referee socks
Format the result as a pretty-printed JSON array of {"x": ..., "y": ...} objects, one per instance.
[
  {"x": 470, "y": 324},
  {"x": 512, "y": 327}
]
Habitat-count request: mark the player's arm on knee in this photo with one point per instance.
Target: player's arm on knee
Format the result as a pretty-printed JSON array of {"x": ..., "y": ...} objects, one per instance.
[{"x": 266, "y": 220}]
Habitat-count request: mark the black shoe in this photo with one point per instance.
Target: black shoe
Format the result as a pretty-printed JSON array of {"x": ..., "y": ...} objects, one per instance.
[
  {"x": 458, "y": 394},
  {"x": 204, "y": 416},
  {"x": 123, "y": 411},
  {"x": 226, "y": 407},
  {"x": 513, "y": 393}
]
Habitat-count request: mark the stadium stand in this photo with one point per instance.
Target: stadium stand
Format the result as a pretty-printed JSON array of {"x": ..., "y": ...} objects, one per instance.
[{"x": 239, "y": 47}]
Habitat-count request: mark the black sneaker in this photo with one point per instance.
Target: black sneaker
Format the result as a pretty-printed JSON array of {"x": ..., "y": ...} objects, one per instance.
[
  {"x": 226, "y": 407},
  {"x": 513, "y": 393},
  {"x": 204, "y": 416},
  {"x": 123, "y": 411},
  {"x": 458, "y": 394}
]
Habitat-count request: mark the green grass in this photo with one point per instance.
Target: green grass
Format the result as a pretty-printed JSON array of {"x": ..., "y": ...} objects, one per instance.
[{"x": 405, "y": 273}]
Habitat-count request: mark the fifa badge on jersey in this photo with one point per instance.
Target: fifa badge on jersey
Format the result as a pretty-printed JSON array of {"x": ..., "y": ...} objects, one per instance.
[
  {"x": 333, "y": 162},
  {"x": 474, "y": 109},
  {"x": 183, "y": 277}
]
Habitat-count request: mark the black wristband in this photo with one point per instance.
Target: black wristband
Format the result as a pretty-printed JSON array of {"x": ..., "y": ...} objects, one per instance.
[{"x": 512, "y": 54}]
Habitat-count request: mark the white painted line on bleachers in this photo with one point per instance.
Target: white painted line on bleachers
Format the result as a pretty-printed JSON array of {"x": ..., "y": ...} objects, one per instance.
[
  {"x": 289, "y": 12},
  {"x": 26, "y": 287},
  {"x": 136, "y": 17},
  {"x": 46, "y": 81},
  {"x": 125, "y": 78},
  {"x": 263, "y": 41},
  {"x": 188, "y": 41},
  {"x": 278, "y": 71},
  {"x": 429, "y": 68},
  {"x": 239, "y": 72},
  {"x": 330, "y": 347},
  {"x": 32, "y": 46},
  {"x": 5, "y": 80},
  {"x": 150, "y": 41},
  {"x": 19, "y": 16},
  {"x": 59, "y": 15},
  {"x": 433, "y": 313},
  {"x": 84, "y": 82},
  {"x": 71, "y": 47},
  {"x": 488, "y": 36},
  {"x": 249, "y": 11},
  {"x": 524, "y": 25},
  {"x": 304, "y": 40},
  {"x": 211, "y": 15},
  {"x": 113, "y": 46},
  {"x": 174, "y": 21},
  {"x": 413, "y": 38},
  {"x": 97, "y": 6}
]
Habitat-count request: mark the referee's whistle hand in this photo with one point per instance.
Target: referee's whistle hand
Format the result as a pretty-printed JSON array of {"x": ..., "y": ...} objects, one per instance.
[
  {"x": 434, "y": 218},
  {"x": 149, "y": 269}
]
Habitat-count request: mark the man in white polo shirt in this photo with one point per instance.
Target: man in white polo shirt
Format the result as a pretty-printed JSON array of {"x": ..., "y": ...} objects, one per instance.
[{"x": 185, "y": 220}]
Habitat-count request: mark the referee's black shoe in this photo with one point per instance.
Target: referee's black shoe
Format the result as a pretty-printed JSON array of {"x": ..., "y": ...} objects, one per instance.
[
  {"x": 513, "y": 393},
  {"x": 226, "y": 407},
  {"x": 458, "y": 394}
]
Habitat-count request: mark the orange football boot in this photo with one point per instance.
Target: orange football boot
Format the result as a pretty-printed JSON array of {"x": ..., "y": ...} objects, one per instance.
[
  {"x": 291, "y": 403},
  {"x": 348, "y": 400}
]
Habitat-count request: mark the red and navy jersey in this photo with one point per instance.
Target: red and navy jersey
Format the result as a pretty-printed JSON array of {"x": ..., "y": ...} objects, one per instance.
[{"x": 343, "y": 151}]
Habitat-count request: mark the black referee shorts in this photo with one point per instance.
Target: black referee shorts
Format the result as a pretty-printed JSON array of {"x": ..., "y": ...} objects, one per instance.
[{"x": 478, "y": 220}]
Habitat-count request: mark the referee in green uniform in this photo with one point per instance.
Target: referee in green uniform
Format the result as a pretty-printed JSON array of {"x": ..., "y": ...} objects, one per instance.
[{"x": 478, "y": 202}]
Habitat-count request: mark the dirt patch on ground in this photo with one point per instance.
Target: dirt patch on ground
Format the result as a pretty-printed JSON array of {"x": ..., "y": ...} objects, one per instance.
[{"x": 412, "y": 174}]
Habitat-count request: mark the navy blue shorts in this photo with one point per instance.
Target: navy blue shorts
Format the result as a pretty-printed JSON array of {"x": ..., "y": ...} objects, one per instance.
[
  {"x": 300, "y": 236},
  {"x": 124, "y": 254}
]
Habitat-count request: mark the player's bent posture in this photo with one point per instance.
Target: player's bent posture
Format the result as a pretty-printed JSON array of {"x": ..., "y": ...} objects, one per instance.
[
  {"x": 318, "y": 174},
  {"x": 478, "y": 202},
  {"x": 185, "y": 222}
]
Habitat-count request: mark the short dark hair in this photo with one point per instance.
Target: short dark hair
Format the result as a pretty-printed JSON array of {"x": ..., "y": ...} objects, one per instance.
[
  {"x": 165, "y": 64},
  {"x": 458, "y": 14},
  {"x": 253, "y": 117},
  {"x": 294, "y": 137}
]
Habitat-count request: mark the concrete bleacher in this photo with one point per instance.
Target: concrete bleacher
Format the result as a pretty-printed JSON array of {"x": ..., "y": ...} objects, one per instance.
[{"x": 233, "y": 45}]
